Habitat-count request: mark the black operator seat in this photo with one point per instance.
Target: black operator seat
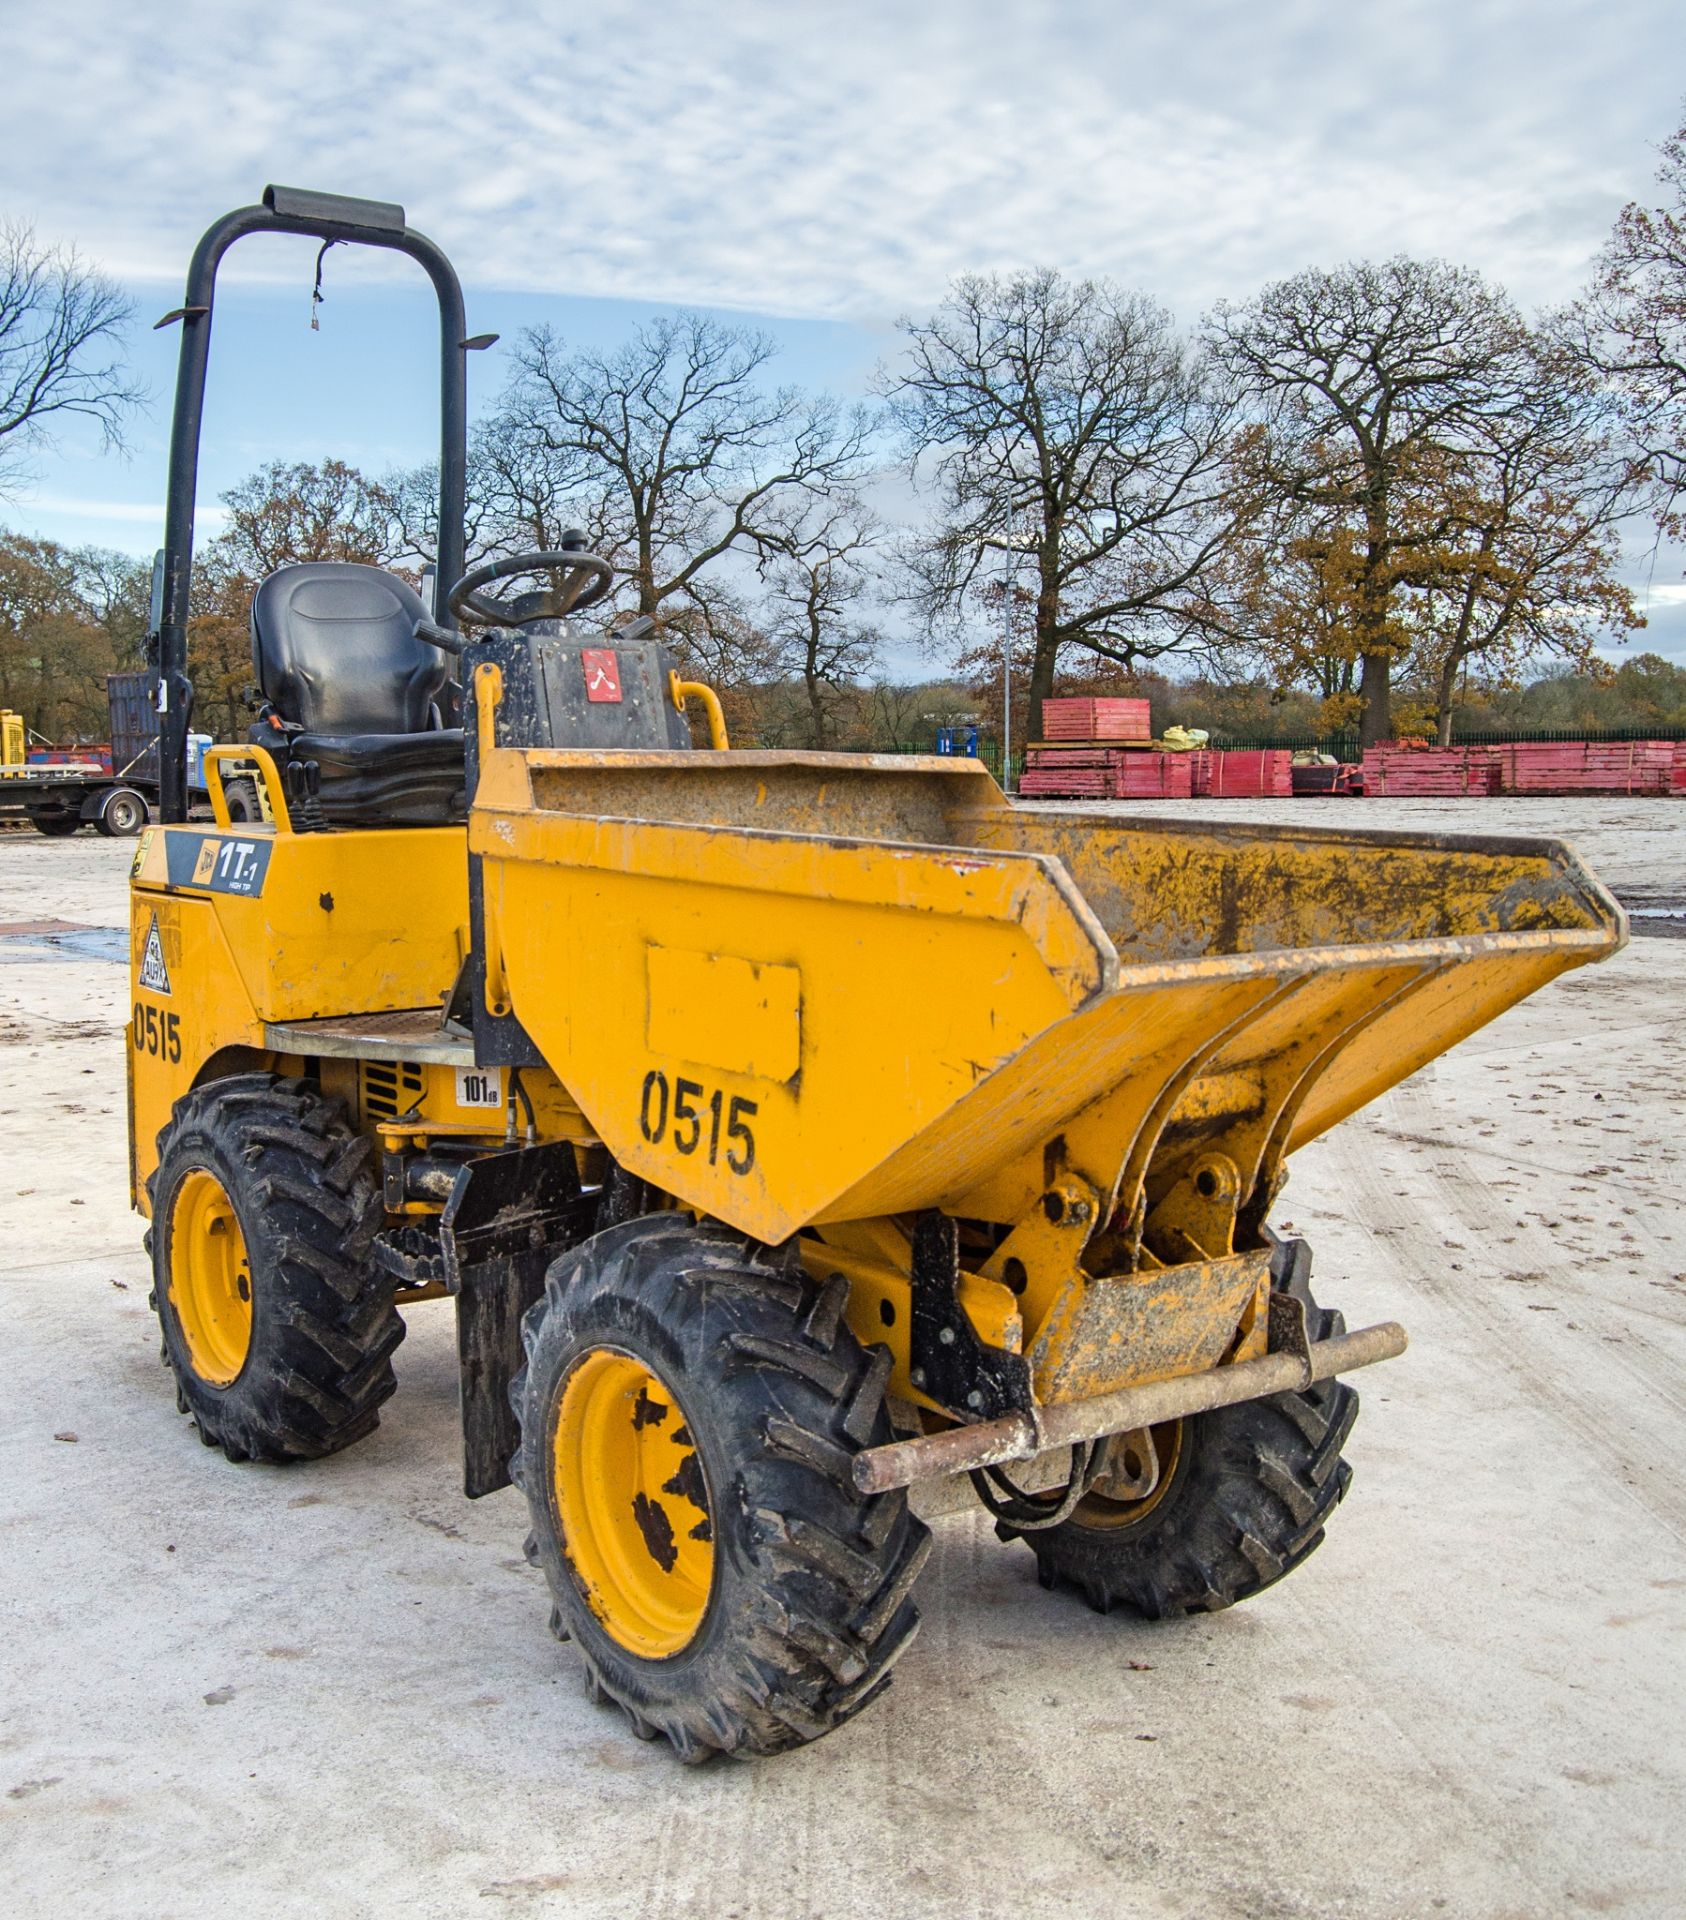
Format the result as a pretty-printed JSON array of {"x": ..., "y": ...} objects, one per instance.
[{"x": 355, "y": 691}]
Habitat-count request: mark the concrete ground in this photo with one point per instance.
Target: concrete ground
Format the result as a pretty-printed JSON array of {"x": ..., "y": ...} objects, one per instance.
[{"x": 330, "y": 1690}]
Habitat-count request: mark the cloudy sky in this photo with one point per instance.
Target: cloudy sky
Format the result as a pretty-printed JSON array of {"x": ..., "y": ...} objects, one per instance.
[{"x": 819, "y": 168}]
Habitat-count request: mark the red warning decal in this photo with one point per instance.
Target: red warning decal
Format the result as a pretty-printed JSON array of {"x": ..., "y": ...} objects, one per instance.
[{"x": 602, "y": 673}]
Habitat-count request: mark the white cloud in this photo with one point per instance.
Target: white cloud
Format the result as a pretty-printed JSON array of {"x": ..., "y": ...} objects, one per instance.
[
  {"x": 846, "y": 160},
  {"x": 124, "y": 511}
]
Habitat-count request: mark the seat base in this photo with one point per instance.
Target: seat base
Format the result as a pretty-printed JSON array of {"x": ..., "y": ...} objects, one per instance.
[{"x": 385, "y": 779}]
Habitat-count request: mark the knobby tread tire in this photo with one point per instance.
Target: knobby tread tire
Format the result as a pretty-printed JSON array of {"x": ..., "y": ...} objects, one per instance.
[
  {"x": 324, "y": 1327},
  {"x": 1251, "y": 1493},
  {"x": 240, "y": 796},
  {"x": 810, "y": 1606}
]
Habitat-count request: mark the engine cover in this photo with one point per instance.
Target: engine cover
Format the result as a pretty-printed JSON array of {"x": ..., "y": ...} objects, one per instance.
[{"x": 566, "y": 688}]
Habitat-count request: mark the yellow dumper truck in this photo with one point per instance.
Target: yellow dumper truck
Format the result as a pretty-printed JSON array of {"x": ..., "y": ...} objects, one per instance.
[{"x": 790, "y": 1129}]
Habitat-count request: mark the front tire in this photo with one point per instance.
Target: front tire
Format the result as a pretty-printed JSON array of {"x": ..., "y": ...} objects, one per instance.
[
  {"x": 277, "y": 1326},
  {"x": 689, "y": 1415},
  {"x": 1241, "y": 1503}
]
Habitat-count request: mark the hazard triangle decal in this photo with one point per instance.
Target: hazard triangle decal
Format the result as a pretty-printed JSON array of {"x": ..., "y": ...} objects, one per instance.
[{"x": 154, "y": 975}]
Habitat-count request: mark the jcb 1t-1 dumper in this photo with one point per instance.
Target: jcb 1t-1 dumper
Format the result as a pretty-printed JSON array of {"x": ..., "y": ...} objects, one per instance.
[{"x": 791, "y": 1130}]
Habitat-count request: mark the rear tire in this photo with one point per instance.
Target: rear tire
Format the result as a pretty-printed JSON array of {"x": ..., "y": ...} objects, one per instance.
[
  {"x": 122, "y": 814},
  {"x": 288, "y": 1356},
  {"x": 1245, "y": 1501},
  {"x": 57, "y": 824},
  {"x": 789, "y": 1589}
]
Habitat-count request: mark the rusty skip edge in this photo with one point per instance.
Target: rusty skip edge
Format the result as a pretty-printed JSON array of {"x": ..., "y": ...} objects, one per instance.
[{"x": 1019, "y": 1436}]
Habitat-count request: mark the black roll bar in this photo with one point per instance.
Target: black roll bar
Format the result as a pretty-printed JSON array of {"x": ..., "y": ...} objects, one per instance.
[{"x": 321, "y": 216}]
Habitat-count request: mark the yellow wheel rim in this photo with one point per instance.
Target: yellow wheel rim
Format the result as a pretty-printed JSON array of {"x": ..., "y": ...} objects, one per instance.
[
  {"x": 1096, "y": 1510},
  {"x": 632, "y": 1503},
  {"x": 210, "y": 1278}
]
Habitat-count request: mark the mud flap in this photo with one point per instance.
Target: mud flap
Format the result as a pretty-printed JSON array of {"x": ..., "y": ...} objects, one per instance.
[
  {"x": 509, "y": 1215},
  {"x": 490, "y": 1303}
]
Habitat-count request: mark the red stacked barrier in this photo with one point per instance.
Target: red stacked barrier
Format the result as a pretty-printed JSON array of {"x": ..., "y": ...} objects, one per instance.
[
  {"x": 1084, "y": 767},
  {"x": 1066, "y": 783},
  {"x": 1093, "y": 719},
  {"x": 1045, "y": 757},
  {"x": 1429, "y": 772},
  {"x": 1104, "y": 773},
  {"x": 1152, "y": 776},
  {"x": 1586, "y": 766},
  {"x": 1234, "y": 773}
]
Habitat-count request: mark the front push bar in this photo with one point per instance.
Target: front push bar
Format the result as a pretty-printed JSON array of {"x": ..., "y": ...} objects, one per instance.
[{"x": 1019, "y": 1436}]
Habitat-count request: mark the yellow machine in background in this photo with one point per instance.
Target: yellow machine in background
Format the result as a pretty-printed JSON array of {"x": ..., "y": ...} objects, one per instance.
[{"x": 789, "y": 1129}]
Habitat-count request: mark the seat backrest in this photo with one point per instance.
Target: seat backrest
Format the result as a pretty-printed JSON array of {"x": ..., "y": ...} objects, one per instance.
[{"x": 335, "y": 648}]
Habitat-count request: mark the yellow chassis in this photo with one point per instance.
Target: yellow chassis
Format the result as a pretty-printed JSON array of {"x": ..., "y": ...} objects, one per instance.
[{"x": 827, "y": 996}]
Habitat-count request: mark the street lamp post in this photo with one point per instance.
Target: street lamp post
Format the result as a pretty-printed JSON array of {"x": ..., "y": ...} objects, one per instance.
[{"x": 1009, "y": 549}]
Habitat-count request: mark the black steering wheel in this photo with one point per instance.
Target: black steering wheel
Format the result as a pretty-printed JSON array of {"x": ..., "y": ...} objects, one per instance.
[{"x": 586, "y": 579}]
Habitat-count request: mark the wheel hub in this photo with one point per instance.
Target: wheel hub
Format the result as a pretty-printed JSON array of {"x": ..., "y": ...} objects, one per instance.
[
  {"x": 1135, "y": 1474},
  {"x": 632, "y": 1503},
  {"x": 210, "y": 1278}
]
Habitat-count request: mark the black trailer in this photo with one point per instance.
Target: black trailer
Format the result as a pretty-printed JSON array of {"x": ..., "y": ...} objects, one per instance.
[{"x": 61, "y": 797}]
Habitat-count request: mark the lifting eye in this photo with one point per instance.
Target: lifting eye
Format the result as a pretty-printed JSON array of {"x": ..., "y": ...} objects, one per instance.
[{"x": 1217, "y": 1178}]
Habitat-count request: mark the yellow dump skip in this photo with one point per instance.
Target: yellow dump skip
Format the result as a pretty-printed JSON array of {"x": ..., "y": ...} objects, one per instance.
[{"x": 801, "y": 988}]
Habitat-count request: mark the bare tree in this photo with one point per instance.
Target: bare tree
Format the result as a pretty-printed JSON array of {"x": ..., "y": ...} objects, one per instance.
[
  {"x": 1530, "y": 557},
  {"x": 1374, "y": 382},
  {"x": 816, "y": 576},
  {"x": 290, "y": 511},
  {"x": 60, "y": 321},
  {"x": 730, "y": 650},
  {"x": 1067, "y": 421},
  {"x": 670, "y": 452},
  {"x": 518, "y": 498},
  {"x": 1631, "y": 326},
  {"x": 898, "y": 713}
]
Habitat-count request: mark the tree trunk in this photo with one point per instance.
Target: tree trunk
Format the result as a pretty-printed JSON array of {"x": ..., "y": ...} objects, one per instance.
[
  {"x": 1375, "y": 685},
  {"x": 1444, "y": 697},
  {"x": 812, "y": 679},
  {"x": 649, "y": 600},
  {"x": 816, "y": 706},
  {"x": 1376, "y": 722},
  {"x": 1041, "y": 688},
  {"x": 1459, "y": 651},
  {"x": 1045, "y": 658}
]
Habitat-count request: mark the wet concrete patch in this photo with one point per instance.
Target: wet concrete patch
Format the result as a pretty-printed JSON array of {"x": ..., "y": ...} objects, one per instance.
[
  {"x": 1655, "y": 919},
  {"x": 34, "y": 941}
]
